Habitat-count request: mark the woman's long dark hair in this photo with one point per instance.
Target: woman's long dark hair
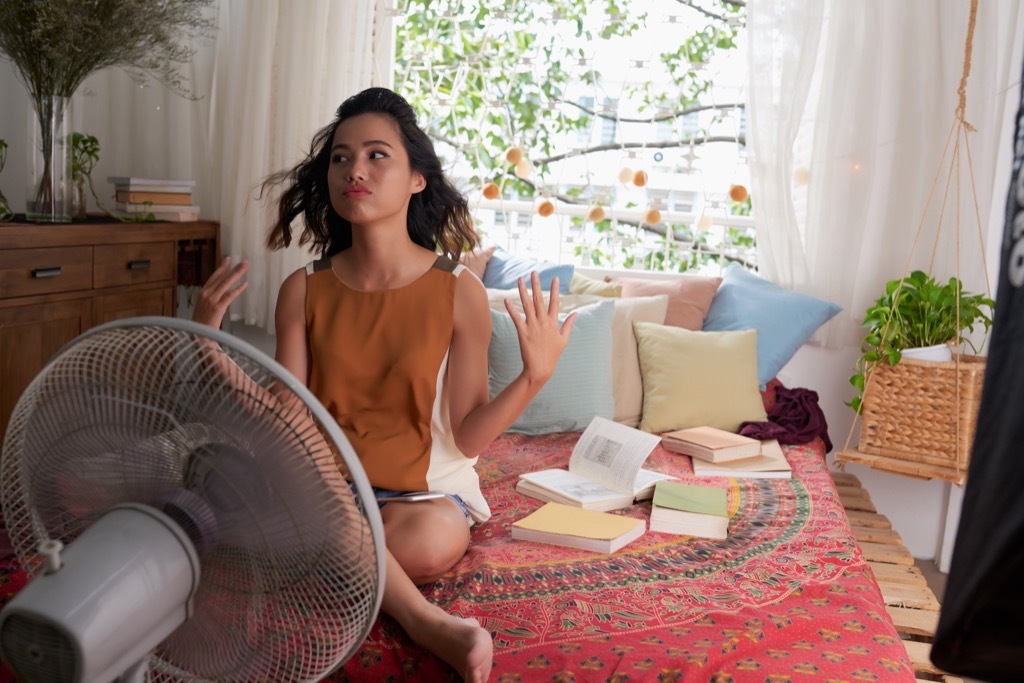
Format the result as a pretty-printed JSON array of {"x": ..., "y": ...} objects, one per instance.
[{"x": 438, "y": 217}]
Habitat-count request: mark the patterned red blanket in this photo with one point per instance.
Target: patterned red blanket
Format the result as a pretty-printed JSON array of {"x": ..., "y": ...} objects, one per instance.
[{"x": 787, "y": 597}]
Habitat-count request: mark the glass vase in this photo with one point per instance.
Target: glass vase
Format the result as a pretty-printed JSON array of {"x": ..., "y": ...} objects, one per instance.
[{"x": 50, "y": 189}]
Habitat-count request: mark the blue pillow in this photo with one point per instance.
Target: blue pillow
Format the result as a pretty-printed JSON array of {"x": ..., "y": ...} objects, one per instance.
[
  {"x": 784, "y": 319},
  {"x": 504, "y": 269},
  {"x": 581, "y": 386}
]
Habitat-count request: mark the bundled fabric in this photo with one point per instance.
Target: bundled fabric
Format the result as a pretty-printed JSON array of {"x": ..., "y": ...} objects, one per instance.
[{"x": 796, "y": 418}]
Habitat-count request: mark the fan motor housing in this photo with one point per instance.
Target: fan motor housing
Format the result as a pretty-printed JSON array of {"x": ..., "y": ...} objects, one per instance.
[{"x": 81, "y": 623}]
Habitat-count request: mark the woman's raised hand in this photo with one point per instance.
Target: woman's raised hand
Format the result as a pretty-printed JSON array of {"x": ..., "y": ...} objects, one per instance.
[
  {"x": 541, "y": 338},
  {"x": 220, "y": 290}
]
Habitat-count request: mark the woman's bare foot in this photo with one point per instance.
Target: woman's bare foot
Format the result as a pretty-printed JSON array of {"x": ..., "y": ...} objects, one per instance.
[{"x": 462, "y": 643}]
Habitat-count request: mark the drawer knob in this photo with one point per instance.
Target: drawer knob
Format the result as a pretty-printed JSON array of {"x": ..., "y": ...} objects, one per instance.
[
  {"x": 139, "y": 264},
  {"x": 46, "y": 272}
]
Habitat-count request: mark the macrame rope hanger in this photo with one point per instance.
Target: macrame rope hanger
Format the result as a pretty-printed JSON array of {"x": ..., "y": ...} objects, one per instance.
[{"x": 958, "y": 136}]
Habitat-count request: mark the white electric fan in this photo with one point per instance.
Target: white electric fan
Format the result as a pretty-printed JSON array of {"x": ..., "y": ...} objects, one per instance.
[{"x": 187, "y": 511}]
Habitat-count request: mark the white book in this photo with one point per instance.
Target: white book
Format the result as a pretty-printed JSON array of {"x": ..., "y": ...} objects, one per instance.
[
  {"x": 151, "y": 184},
  {"x": 165, "y": 215},
  {"x": 149, "y": 207},
  {"x": 770, "y": 464},
  {"x": 604, "y": 470}
]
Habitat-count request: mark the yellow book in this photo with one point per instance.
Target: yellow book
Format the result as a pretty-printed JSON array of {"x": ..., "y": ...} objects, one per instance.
[{"x": 576, "y": 527}]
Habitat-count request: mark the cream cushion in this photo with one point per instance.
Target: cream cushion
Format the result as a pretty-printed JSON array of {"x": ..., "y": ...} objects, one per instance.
[
  {"x": 693, "y": 378},
  {"x": 581, "y": 284}
]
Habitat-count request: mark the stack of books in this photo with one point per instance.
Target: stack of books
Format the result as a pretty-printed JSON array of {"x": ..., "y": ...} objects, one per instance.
[
  {"x": 719, "y": 453},
  {"x": 154, "y": 199}
]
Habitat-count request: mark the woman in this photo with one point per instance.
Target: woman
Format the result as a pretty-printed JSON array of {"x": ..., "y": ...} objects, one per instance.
[{"x": 392, "y": 338}]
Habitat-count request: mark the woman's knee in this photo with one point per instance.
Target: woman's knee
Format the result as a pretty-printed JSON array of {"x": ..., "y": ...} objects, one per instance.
[{"x": 427, "y": 543}]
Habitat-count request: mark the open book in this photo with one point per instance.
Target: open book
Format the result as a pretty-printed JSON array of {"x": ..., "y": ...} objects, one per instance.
[{"x": 604, "y": 470}]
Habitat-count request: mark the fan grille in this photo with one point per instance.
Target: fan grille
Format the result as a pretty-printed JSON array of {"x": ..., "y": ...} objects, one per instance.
[
  {"x": 38, "y": 651},
  {"x": 137, "y": 411}
]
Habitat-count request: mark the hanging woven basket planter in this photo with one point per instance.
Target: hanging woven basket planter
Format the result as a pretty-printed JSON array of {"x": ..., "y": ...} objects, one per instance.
[{"x": 919, "y": 418}]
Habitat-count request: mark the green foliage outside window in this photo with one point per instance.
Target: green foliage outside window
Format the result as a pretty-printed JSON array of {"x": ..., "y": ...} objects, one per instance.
[{"x": 477, "y": 99}]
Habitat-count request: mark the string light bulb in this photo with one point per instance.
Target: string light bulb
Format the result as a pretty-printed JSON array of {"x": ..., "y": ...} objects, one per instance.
[
  {"x": 625, "y": 175},
  {"x": 523, "y": 169},
  {"x": 491, "y": 190},
  {"x": 545, "y": 208},
  {"x": 514, "y": 155},
  {"x": 737, "y": 193},
  {"x": 596, "y": 213}
]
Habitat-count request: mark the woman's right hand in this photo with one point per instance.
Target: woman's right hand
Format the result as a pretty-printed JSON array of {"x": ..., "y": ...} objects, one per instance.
[{"x": 220, "y": 290}]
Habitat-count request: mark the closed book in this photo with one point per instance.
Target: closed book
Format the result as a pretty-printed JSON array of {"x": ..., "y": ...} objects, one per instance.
[
  {"x": 173, "y": 198},
  {"x": 136, "y": 184},
  {"x": 163, "y": 215},
  {"x": 711, "y": 444},
  {"x": 771, "y": 464},
  {"x": 575, "y": 527},
  {"x": 690, "y": 510},
  {"x": 145, "y": 208}
]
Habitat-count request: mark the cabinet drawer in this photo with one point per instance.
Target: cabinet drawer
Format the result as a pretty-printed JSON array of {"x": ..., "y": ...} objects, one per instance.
[
  {"x": 147, "y": 302},
  {"x": 115, "y": 265},
  {"x": 28, "y": 272}
]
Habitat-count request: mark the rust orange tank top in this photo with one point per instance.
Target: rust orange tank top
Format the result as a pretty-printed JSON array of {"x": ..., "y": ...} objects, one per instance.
[{"x": 379, "y": 365}]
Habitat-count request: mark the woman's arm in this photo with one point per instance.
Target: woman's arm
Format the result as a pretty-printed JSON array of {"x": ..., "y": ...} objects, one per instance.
[
  {"x": 475, "y": 420},
  {"x": 219, "y": 291},
  {"x": 292, "y": 349}
]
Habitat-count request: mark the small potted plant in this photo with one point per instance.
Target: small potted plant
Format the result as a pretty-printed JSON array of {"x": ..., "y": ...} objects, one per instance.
[
  {"x": 5, "y": 208},
  {"x": 921, "y": 313},
  {"x": 85, "y": 153}
]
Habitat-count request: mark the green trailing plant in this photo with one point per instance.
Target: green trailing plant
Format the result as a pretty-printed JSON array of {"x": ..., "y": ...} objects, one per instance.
[
  {"x": 494, "y": 103},
  {"x": 85, "y": 153},
  {"x": 919, "y": 312},
  {"x": 5, "y": 208}
]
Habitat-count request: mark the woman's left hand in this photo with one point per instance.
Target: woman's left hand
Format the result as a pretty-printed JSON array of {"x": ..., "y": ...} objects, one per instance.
[{"x": 541, "y": 338}]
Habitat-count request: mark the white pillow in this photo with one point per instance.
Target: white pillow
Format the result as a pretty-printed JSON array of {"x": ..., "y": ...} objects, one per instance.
[{"x": 581, "y": 386}]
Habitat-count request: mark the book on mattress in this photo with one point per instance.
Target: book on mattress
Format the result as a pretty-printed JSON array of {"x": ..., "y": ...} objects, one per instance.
[
  {"x": 690, "y": 510},
  {"x": 604, "y": 470},
  {"x": 711, "y": 444},
  {"x": 575, "y": 527},
  {"x": 771, "y": 464}
]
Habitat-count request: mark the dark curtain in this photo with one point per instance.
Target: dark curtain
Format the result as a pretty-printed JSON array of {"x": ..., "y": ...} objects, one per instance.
[{"x": 981, "y": 627}]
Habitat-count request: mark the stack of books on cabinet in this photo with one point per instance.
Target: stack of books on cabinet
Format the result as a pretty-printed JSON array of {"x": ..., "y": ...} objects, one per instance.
[{"x": 143, "y": 199}]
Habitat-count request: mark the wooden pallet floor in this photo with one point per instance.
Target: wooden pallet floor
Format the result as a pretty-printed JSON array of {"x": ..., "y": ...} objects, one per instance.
[{"x": 910, "y": 602}]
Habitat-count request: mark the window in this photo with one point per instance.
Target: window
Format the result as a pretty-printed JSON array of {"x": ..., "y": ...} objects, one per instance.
[{"x": 609, "y": 105}]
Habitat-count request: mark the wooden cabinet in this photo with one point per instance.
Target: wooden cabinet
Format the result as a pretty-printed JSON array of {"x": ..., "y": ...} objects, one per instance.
[{"x": 56, "y": 281}]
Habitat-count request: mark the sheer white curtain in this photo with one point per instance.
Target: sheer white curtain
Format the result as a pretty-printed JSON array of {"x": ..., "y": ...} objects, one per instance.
[
  {"x": 281, "y": 70},
  {"x": 271, "y": 77},
  {"x": 850, "y": 106}
]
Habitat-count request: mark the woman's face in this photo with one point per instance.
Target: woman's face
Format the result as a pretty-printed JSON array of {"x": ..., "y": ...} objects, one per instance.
[{"x": 369, "y": 176}]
